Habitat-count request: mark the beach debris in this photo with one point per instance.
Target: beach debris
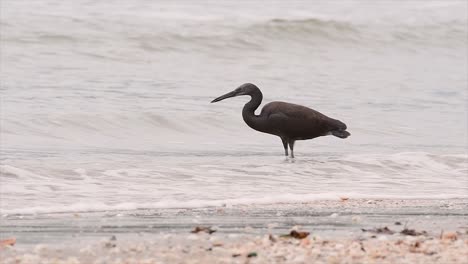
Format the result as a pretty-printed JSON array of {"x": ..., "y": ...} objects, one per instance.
[
  {"x": 412, "y": 232},
  {"x": 226, "y": 205},
  {"x": 380, "y": 230},
  {"x": 334, "y": 215},
  {"x": 362, "y": 246},
  {"x": 344, "y": 199},
  {"x": 296, "y": 234},
  {"x": 272, "y": 238},
  {"x": 417, "y": 247},
  {"x": 8, "y": 242},
  {"x": 450, "y": 236},
  {"x": 199, "y": 229},
  {"x": 397, "y": 223},
  {"x": 299, "y": 234},
  {"x": 111, "y": 243},
  {"x": 236, "y": 255},
  {"x": 252, "y": 254}
]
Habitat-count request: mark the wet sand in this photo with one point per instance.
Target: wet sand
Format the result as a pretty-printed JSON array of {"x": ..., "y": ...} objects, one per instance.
[{"x": 341, "y": 231}]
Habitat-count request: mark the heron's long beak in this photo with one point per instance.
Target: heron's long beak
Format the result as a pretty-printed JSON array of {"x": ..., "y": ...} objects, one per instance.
[{"x": 228, "y": 95}]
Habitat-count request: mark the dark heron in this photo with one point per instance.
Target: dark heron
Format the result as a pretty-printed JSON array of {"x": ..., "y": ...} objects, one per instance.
[{"x": 290, "y": 122}]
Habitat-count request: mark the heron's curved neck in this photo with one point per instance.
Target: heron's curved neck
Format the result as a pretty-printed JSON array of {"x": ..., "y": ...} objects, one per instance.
[{"x": 248, "y": 112}]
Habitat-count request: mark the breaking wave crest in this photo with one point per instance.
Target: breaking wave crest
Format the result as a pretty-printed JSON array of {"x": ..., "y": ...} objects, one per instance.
[
  {"x": 173, "y": 204},
  {"x": 224, "y": 181},
  {"x": 310, "y": 31},
  {"x": 254, "y": 35}
]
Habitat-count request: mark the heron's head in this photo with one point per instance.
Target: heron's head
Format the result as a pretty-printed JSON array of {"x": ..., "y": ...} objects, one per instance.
[{"x": 245, "y": 89}]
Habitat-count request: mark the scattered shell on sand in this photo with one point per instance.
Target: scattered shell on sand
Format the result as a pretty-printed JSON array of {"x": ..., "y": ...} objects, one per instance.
[
  {"x": 199, "y": 229},
  {"x": 412, "y": 232},
  {"x": 450, "y": 236},
  {"x": 380, "y": 230},
  {"x": 8, "y": 242},
  {"x": 296, "y": 234}
]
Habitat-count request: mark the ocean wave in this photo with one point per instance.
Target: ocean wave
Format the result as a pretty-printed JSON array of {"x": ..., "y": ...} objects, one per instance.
[
  {"x": 57, "y": 124},
  {"x": 200, "y": 181},
  {"x": 313, "y": 26},
  {"x": 335, "y": 30},
  {"x": 309, "y": 32},
  {"x": 174, "y": 204},
  {"x": 83, "y": 122},
  {"x": 251, "y": 35}
]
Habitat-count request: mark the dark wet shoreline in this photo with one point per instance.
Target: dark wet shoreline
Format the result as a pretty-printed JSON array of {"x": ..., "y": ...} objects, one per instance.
[{"x": 329, "y": 218}]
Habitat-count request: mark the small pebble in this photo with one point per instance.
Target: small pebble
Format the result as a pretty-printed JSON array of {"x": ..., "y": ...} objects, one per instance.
[
  {"x": 252, "y": 254},
  {"x": 450, "y": 236},
  {"x": 334, "y": 215}
]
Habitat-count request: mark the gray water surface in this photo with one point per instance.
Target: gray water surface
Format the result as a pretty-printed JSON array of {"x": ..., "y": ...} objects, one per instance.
[{"x": 105, "y": 105}]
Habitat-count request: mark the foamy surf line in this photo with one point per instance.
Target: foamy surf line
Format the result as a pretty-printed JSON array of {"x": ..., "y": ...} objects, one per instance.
[{"x": 173, "y": 204}]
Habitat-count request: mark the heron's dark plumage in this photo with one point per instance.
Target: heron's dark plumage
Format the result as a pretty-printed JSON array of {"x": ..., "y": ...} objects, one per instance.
[
  {"x": 290, "y": 122},
  {"x": 299, "y": 122}
]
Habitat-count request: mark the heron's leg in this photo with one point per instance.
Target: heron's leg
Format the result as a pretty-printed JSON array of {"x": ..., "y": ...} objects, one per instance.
[
  {"x": 291, "y": 146},
  {"x": 285, "y": 145}
]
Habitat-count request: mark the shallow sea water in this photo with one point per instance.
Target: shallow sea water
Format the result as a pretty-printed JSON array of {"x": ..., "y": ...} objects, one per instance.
[{"x": 105, "y": 105}]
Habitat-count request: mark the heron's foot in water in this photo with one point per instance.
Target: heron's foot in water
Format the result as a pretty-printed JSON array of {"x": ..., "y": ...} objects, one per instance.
[{"x": 291, "y": 147}]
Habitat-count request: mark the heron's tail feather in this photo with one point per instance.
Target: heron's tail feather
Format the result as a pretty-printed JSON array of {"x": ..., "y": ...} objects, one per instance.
[{"x": 340, "y": 133}]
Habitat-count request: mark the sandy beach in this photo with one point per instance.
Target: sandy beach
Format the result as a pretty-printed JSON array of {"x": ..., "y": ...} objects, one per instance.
[
  {"x": 204, "y": 248},
  {"x": 338, "y": 231}
]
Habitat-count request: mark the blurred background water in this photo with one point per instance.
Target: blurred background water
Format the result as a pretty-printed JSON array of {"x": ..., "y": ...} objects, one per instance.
[{"x": 105, "y": 104}]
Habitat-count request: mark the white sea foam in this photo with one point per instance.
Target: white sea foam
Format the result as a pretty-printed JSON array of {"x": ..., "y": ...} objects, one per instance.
[
  {"x": 188, "y": 182},
  {"x": 172, "y": 204}
]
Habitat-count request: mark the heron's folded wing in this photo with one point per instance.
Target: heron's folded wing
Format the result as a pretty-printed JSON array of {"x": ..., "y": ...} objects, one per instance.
[{"x": 300, "y": 117}]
